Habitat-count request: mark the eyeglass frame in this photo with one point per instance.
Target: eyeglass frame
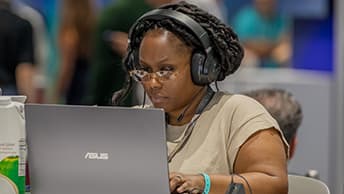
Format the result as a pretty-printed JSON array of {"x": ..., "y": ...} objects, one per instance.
[{"x": 165, "y": 76}]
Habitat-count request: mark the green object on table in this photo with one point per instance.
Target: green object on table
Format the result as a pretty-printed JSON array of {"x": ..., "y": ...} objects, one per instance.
[{"x": 9, "y": 168}]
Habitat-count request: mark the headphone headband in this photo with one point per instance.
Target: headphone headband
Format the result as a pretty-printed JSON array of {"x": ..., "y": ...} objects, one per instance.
[
  {"x": 204, "y": 66},
  {"x": 185, "y": 20}
]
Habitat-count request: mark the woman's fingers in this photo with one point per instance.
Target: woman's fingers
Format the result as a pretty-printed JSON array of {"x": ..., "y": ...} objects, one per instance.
[
  {"x": 176, "y": 180},
  {"x": 190, "y": 184},
  {"x": 185, "y": 187}
]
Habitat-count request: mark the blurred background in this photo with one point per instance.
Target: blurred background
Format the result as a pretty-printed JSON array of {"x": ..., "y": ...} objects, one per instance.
[
  {"x": 296, "y": 45},
  {"x": 308, "y": 26}
]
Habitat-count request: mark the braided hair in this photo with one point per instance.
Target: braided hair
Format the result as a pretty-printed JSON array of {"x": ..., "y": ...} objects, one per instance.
[
  {"x": 227, "y": 50},
  {"x": 225, "y": 42}
]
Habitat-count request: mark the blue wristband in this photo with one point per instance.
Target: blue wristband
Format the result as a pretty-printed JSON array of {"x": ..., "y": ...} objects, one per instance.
[{"x": 206, "y": 183}]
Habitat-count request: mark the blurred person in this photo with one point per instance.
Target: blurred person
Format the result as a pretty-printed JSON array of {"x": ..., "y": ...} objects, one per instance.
[
  {"x": 111, "y": 37},
  {"x": 75, "y": 44},
  {"x": 211, "y": 6},
  {"x": 287, "y": 111},
  {"x": 16, "y": 54},
  {"x": 40, "y": 43},
  {"x": 265, "y": 34},
  {"x": 283, "y": 107},
  {"x": 213, "y": 138}
]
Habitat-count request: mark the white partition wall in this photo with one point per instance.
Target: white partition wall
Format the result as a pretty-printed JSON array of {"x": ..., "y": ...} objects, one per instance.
[{"x": 314, "y": 92}]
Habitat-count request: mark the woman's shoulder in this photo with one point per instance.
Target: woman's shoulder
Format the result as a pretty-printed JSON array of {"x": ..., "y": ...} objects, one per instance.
[
  {"x": 236, "y": 104},
  {"x": 229, "y": 99}
]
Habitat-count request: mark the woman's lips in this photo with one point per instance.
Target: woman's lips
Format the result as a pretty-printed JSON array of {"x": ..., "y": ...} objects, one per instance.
[{"x": 158, "y": 99}]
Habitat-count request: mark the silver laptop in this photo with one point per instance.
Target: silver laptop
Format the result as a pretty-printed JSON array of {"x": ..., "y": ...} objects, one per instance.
[{"x": 96, "y": 150}]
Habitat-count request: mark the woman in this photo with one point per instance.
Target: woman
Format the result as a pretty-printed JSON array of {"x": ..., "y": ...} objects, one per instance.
[
  {"x": 74, "y": 41},
  {"x": 213, "y": 138}
]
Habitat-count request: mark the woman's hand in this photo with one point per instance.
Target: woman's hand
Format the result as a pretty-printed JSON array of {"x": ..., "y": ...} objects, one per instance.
[{"x": 181, "y": 183}]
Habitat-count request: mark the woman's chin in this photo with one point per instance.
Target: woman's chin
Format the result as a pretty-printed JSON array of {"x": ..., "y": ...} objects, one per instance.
[
  {"x": 162, "y": 106},
  {"x": 159, "y": 105}
]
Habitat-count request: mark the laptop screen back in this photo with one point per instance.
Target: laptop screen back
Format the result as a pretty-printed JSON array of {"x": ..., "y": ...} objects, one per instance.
[{"x": 88, "y": 150}]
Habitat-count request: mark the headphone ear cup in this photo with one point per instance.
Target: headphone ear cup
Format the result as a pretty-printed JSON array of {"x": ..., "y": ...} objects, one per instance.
[
  {"x": 212, "y": 69},
  {"x": 197, "y": 65},
  {"x": 204, "y": 70}
]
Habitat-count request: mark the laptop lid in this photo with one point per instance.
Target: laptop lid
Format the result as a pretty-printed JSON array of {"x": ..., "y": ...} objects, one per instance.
[{"x": 96, "y": 150}]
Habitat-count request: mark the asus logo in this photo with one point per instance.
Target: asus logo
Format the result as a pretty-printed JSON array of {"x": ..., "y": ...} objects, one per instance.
[{"x": 97, "y": 156}]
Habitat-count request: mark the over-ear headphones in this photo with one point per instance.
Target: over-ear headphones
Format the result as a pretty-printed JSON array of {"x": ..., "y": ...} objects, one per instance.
[{"x": 205, "y": 68}]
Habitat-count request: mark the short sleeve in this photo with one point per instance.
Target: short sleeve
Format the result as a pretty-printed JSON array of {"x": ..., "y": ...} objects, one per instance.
[{"x": 248, "y": 118}]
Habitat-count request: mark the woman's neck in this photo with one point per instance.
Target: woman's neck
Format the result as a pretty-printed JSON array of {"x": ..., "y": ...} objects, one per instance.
[{"x": 188, "y": 111}]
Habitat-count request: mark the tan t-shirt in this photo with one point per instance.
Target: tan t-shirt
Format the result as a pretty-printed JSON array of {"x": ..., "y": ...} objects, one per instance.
[{"x": 225, "y": 124}]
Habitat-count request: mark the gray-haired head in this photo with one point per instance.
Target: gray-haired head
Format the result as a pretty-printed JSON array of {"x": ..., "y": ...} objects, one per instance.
[{"x": 283, "y": 107}]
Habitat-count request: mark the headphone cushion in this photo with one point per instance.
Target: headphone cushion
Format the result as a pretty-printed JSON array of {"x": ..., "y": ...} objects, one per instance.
[
  {"x": 204, "y": 70},
  {"x": 197, "y": 67}
]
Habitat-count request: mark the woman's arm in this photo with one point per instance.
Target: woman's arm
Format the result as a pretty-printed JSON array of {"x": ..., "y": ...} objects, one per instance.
[{"x": 261, "y": 160}]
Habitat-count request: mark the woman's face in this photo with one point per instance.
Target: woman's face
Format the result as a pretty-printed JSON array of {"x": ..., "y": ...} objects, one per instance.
[{"x": 161, "y": 50}]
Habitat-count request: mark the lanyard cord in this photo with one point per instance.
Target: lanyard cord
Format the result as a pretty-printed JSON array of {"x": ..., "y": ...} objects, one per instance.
[{"x": 204, "y": 102}]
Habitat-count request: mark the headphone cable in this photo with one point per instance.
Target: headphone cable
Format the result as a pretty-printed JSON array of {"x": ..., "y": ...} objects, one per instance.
[
  {"x": 181, "y": 116},
  {"x": 119, "y": 96}
]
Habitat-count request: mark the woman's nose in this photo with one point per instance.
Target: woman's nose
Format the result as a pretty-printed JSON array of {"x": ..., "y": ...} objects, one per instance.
[{"x": 154, "y": 81}]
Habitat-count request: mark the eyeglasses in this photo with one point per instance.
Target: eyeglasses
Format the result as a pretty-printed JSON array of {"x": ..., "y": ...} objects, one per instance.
[{"x": 144, "y": 76}]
